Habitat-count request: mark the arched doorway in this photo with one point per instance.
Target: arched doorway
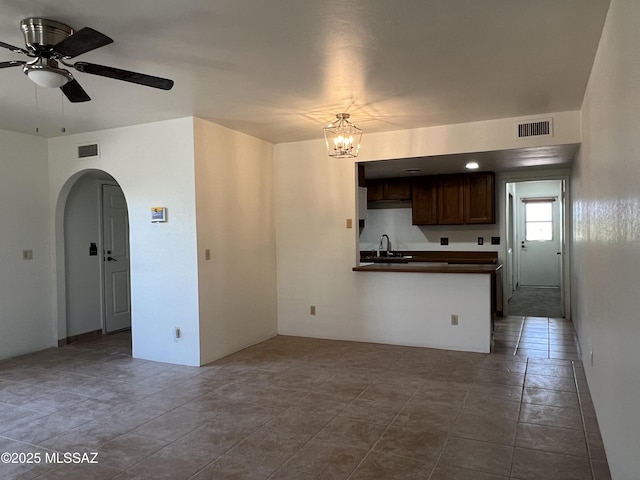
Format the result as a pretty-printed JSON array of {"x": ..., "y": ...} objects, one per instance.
[{"x": 95, "y": 257}]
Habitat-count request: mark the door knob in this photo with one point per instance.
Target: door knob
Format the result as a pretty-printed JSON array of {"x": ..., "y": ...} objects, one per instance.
[{"x": 111, "y": 259}]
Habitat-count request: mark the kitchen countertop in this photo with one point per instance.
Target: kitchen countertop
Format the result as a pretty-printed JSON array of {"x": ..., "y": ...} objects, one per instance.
[{"x": 428, "y": 267}]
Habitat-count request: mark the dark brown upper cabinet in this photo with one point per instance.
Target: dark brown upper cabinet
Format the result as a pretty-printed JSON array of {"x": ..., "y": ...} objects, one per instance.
[
  {"x": 450, "y": 199},
  {"x": 479, "y": 198},
  {"x": 388, "y": 189},
  {"x": 467, "y": 198},
  {"x": 424, "y": 201}
]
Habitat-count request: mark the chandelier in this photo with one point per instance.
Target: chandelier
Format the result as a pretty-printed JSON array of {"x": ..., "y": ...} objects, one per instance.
[{"x": 342, "y": 137}]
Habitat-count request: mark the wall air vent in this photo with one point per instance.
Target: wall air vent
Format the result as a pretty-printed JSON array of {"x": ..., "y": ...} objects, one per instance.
[
  {"x": 535, "y": 128},
  {"x": 88, "y": 151}
]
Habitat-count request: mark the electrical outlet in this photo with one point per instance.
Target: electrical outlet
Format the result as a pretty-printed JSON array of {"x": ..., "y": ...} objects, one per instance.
[
  {"x": 312, "y": 310},
  {"x": 495, "y": 240},
  {"x": 349, "y": 223},
  {"x": 454, "y": 319},
  {"x": 444, "y": 241},
  {"x": 27, "y": 254},
  {"x": 207, "y": 254},
  {"x": 480, "y": 240}
]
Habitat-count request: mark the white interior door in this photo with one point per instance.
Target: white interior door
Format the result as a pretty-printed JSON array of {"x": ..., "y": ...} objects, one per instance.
[
  {"x": 117, "y": 285},
  {"x": 540, "y": 243}
]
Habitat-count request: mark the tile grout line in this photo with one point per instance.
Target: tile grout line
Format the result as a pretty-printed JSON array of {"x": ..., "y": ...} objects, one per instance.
[
  {"x": 449, "y": 435},
  {"x": 332, "y": 419},
  {"x": 515, "y": 440},
  {"x": 515, "y": 351},
  {"x": 383, "y": 432},
  {"x": 548, "y": 338}
]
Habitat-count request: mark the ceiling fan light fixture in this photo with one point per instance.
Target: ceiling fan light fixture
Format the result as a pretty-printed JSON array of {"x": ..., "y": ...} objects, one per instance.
[
  {"x": 47, "y": 78},
  {"x": 342, "y": 137},
  {"x": 47, "y": 74}
]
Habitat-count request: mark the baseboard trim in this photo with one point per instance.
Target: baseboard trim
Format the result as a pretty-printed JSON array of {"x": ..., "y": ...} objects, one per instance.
[{"x": 76, "y": 338}]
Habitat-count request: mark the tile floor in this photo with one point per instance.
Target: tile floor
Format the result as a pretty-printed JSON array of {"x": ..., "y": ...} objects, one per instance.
[{"x": 308, "y": 409}]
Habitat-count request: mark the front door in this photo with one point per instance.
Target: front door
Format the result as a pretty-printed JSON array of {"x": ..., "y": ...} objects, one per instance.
[
  {"x": 117, "y": 285},
  {"x": 540, "y": 243}
]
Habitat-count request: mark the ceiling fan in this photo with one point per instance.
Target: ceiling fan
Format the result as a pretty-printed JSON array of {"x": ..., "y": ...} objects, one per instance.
[{"x": 52, "y": 43}]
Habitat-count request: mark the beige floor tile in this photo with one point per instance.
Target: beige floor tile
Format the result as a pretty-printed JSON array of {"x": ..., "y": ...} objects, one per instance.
[
  {"x": 495, "y": 390},
  {"x": 233, "y": 468},
  {"x": 311, "y": 409},
  {"x": 474, "y": 455},
  {"x": 127, "y": 450},
  {"x": 490, "y": 406},
  {"x": 488, "y": 429},
  {"x": 565, "y": 441},
  {"x": 551, "y": 416},
  {"x": 554, "y": 398},
  {"x": 371, "y": 411},
  {"x": 351, "y": 433},
  {"x": 381, "y": 466},
  {"x": 327, "y": 461},
  {"x": 424, "y": 446},
  {"x": 538, "y": 465},
  {"x": 174, "y": 424},
  {"x": 549, "y": 382},
  {"x": 447, "y": 472},
  {"x": 269, "y": 448}
]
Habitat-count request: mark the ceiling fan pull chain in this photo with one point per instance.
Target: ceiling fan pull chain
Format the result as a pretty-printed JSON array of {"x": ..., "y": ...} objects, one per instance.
[
  {"x": 37, "y": 108},
  {"x": 63, "y": 129}
]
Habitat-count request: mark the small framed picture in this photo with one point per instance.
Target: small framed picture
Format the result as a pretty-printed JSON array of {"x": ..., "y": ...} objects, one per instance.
[{"x": 158, "y": 214}]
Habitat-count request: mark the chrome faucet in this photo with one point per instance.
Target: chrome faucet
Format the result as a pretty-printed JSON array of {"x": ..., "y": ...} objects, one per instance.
[{"x": 382, "y": 237}]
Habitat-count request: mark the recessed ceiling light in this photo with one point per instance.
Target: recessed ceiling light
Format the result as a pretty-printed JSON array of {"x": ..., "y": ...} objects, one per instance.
[{"x": 472, "y": 165}]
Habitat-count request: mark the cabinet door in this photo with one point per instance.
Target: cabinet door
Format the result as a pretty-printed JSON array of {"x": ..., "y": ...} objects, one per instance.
[
  {"x": 479, "y": 198},
  {"x": 374, "y": 190},
  {"x": 450, "y": 199},
  {"x": 397, "y": 189},
  {"x": 424, "y": 201}
]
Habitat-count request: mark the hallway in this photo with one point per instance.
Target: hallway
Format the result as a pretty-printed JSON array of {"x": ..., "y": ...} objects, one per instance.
[{"x": 536, "y": 302}]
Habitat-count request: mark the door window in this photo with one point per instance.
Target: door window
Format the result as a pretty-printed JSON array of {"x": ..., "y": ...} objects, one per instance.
[{"x": 538, "y": 221}]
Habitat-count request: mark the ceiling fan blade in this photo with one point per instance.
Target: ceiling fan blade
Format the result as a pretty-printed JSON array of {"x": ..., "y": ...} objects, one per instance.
[
  {"x": 11, "y": 63},
  {"x": 125, "y": 75},
  {"x": 74, "y": 92},
  {"x": 82, "y": 41},
  {"x": 14, "y": 49}
]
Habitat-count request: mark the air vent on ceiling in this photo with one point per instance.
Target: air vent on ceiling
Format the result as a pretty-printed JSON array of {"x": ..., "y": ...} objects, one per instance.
[
  {"x": 535, "y": 128},
  {"x": 88, "y": 151}
]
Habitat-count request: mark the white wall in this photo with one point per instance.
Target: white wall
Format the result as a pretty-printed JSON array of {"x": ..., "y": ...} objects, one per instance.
[
  {"x": 236, "y": 223},
  {"x": 482, "y": 136},
  {"x": 25, "y": 295},
  {"x": 154, "y": 165},
  {"x": 606, "y": 239},
  {"x": 315, "y": 194}
]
